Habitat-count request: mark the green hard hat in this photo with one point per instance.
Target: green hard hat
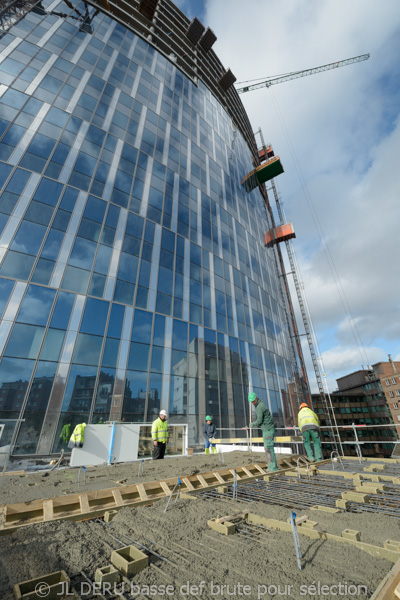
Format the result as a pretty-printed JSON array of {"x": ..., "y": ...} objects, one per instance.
[
  {"x": 252, "y": 397},
  {"x": 208, "y": 418}
]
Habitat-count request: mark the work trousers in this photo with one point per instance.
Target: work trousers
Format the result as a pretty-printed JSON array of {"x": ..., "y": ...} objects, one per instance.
[
  {"x": 159, "y": 451},
  {"x": 268, "y": 438},
  {"x": 312, "y": 435}
]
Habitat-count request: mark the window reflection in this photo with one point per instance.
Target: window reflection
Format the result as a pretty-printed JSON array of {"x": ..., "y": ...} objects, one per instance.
[
  {"x": 25, "y": 341},
  {"x": 14, "y": 379},
  {"x": 134, "y": 396},
  {"x": 79, "y": 390},
  {"x": 104, "y": 395}
]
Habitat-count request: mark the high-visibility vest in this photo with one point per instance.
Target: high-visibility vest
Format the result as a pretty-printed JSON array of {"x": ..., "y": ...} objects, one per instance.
[
  {"x": 159, "y": 431},
  {"x": 308, "y": 419},
  {"x": 78, "y": 435}
]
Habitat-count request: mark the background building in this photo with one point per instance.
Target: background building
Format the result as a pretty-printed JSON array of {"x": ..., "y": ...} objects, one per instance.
[
  {"x": 360, "y": 399},
  {"x": 133, "y": 272}
]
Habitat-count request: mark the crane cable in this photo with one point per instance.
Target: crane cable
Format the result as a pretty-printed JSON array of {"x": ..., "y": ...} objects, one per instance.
[{"x": 324, "y": 243}]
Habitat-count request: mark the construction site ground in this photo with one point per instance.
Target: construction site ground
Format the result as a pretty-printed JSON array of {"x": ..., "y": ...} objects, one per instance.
[
  {"x": 187, "y": 558},
  {"x": 46, "y": 484}
]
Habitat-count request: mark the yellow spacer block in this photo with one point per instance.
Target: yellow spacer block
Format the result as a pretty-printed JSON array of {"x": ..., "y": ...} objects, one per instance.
[
  {"x": 351, "y": 534},
  {"x": 355, "y": 497}
]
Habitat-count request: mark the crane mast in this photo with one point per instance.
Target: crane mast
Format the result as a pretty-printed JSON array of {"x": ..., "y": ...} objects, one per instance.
[{"x": 304, "y": 73}]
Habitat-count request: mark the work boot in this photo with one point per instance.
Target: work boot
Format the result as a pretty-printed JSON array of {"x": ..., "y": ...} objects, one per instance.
[
  {"x": 272, "y": 467},
  {"x": 207, "y": 450},
  {"x": 214, "y": 450}
]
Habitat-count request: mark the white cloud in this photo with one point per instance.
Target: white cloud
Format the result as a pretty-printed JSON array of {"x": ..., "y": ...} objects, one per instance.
[{"x": 344, "y": 127}]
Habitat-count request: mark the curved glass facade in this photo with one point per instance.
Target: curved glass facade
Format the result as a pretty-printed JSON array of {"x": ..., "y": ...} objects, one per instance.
[{"x": 133, "y": 274}]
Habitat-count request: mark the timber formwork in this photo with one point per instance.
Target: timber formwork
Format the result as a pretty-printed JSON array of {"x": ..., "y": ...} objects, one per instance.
[{"x": 82, "y": 506}]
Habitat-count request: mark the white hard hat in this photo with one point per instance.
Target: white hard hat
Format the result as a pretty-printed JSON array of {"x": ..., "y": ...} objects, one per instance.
[{"x": 163, "y": 412}]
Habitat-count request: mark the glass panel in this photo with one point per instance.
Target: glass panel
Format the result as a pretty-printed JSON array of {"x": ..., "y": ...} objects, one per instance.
[
  {"x": 36, "y": 305},
  {"x": 176, "y": 441},
  {"x": 66, "y": 425},
  {"x": 116, "y": 321},
  {"x": 79, "y": 390},
  {"x": 142, "y": 323},
  {"x": 82, "y": 254},
  {"x": 157, "y": 359},
  {"x": 179, "y": 362},
  {"x": 6, "y": 287},
  {"x": 110, "y": 354},
  {"x": 134, "y": 396},
  {"x": 139, "y": 357},
  {"x": 29, "y": 238},
  {"x": 87, "y": 349},
  {"x": 95, "y": 316},
  {"x": 62, "y": 310},
  {"x": 154, "y": 396},
  {"x": 25, "y": 341},
  {"x": 14, "y": 378},
  {"x": 180, "y": 335},
  {"x": 178, "y": 395},
  {"x": 76, "y": 280},
  {"x": 43, "y": 271},
  {"x": 53, "y": 343},
  {"x": 17, "y": 265},
  {"x": 104, "y": 395}
]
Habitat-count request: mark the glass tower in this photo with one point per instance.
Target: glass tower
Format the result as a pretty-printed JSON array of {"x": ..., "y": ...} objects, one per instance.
[{"x": 133, "y": 272}]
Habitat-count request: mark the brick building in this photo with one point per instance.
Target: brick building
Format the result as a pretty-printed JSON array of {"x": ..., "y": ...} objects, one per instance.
[{"x": 361, "y": 399}]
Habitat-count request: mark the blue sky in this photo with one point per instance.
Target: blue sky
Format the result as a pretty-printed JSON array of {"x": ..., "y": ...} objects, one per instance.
[{"x": 344, "y": 133}]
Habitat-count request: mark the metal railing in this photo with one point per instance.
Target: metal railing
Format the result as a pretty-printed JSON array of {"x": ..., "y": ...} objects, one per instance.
[{"x": 357, "y": 442}]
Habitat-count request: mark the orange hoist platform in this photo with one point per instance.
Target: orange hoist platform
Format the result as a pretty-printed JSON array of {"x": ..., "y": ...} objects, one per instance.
[
  {"x": 282, "y": 233},
  {"x": 268, "y": 170}
]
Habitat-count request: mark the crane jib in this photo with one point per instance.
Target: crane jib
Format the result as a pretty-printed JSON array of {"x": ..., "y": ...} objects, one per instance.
[{"x": 297, "y": 74}]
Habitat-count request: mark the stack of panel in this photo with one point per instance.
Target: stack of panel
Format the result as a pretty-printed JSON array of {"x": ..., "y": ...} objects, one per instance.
[
  {"x": 208, "y": 39},
  {"x": 195, "y": 31},
  {"x": 226, "y": 80},
  {"x": 148, "y": 8}
]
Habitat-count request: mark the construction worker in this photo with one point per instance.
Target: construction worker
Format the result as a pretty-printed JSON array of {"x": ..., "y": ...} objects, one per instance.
[
  {"x": 209, "y": 431},
  {"x": 78, "y": 436},
  {"x": 309, "y": 427},
  {"x": 159, "y": 435},
  {"x": 265, "y": 422}
]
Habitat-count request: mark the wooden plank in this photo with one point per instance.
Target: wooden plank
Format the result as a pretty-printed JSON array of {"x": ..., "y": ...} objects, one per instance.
[
  {"x": 48, "y": 510},
  {"x": 165, "y": 488},
  {"x": 202, "y": 480},
  {"x": 187, "y": 483},
  {"x": 261, "y": 470},
  {"x": 84, "y": 502},
  {"x": 117, "y": 497},
  {"x": 232, "y": 471},
  {"x": 142, "y": 492},
  {"x": 249, "y": 473},
  {"x": 218, "y": 476},
  {"x": 3, "y": 516}
]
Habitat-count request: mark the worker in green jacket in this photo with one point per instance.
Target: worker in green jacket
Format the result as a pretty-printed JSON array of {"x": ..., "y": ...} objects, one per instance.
[
  {"x": 265, "y": 422},
  {"x": 159, "y": 435},
  {"x": 309, "y": 427}
]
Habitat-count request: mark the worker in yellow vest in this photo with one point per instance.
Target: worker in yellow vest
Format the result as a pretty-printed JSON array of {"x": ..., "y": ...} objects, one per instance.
[
  {"x": 78, "y": 436},
  {"x": 309, "y": 427},
  {"x": 159, "y": 435}
]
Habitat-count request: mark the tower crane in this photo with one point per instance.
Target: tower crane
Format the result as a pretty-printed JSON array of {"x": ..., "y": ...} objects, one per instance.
[
  {"x": 304, "y": 73},
  {"x": 266, "y": 172}
]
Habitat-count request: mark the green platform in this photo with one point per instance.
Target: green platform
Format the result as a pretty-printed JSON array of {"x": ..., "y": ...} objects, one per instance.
[{"x": 270, "y": 169}]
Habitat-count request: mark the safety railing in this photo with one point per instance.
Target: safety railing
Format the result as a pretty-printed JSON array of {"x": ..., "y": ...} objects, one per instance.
[{"x": 295, "y": 440}]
